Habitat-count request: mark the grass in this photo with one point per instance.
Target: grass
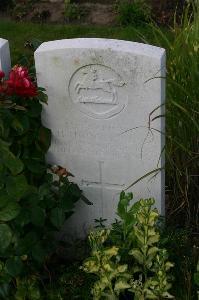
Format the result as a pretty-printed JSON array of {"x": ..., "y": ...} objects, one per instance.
[
  {"x": 19, "y": 33},
  {"x": 182, "y": 144},
  {"x": 182, "y": 120}
]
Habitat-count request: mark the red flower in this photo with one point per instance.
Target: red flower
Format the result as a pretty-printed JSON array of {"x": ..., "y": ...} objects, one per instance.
[
  {"x": 2, "y": 74},
  {"x": 19, "y": 83}
]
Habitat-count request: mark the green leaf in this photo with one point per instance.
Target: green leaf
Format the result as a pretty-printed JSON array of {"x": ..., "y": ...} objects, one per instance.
[
  {"x": 196, "y": 278},
  {"x": 39, "y": 253},
  {"x": 137, "y": 255},
  {"x": 17, "y": 126},
  {"x": 113, "y": 251},
  {"x": 35, "y": 109},
  {"x": 38, "y": 216},
  {"x": 86, "y": 200},
  {"x": 13, "y": 163},
  {"x": 17, "y": 186},
  {"x": 122, "y": 268},
  {"x": 66, "y": 203},
  {"x": 123, "y": 204},
  {"x": 45, "y": 138},
  {"x": 150, "y": 294},
  {"x": 14, "y": 266},
  {"x": 42, "y": 96},
  {"x": 153, "y": 239},
  {"x": 74, "y": 191},
  {"x": 35, "y": 166},
  {"x": 57, "y": 217},
  {"x": 121, "y": 284},
  {"x": 9, "y": 212},
  {"x": 44, "y": 190},
  {"x": 139, "y": 235},
  {"x": 23, "y": 217},
  {"x": 166, "y": 295},
  {"x": 26, "y": 244},
  {"x": 5, "y": 237},
  {"x": 21, "y": 123},
  {"x": 152, "y": 252},
  {"x": 34, "y": 293},
  {"x": 4, "y": 291},
  {"x": 4, "y": 199}
]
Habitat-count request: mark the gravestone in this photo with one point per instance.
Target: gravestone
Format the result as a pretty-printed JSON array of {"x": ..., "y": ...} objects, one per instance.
[
  {"x": 104, "y": 99},
  {"x": 5, "y": 63}
]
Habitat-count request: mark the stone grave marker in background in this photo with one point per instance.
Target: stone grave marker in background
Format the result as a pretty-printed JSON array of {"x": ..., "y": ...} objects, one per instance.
[
  {"x": 100, "y": 96},
  {"x": 5, "y": 63}
]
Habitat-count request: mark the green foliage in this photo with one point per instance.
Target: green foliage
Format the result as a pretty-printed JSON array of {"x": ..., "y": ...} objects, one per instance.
[
  {"x": 69, "y": 283},
  {"x": 28, "y": 289},
  {"x": 135, "y": 12},
  {"x": 104, "y": 262},
  {"x": 127, "y": 257},
  {"x": 35, "y": 201},
  {"x": 182, "y": 127},
  {"x": 182, "y": 249},
  {"x": 73, "y": 11},
  {"x": 196, "y": 278},
  {"x": 21, "y": 8}
]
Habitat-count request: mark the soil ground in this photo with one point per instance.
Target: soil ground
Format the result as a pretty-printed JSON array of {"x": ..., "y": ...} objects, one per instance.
[{"x": 100, "y": 12}]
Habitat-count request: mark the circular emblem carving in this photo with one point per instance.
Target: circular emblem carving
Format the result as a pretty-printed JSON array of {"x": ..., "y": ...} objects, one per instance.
[{"x": 96, "y": 91}]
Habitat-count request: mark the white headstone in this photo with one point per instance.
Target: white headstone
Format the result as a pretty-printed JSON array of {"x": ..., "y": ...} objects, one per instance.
[
  {"x": 5, "y": 63},
  {"x": 100, "y": 96}
]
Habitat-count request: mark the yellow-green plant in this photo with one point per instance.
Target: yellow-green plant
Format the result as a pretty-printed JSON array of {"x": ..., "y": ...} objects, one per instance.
[
  {"x": 148, "y": 257},
  {"x": 126, "y": 258},
  {"x": 105, "y": 263}
]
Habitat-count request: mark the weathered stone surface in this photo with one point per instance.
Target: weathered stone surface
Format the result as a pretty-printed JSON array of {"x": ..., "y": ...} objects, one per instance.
[
  {"x": 101, "y": 93},
  {"x": 5, "y": 63}
]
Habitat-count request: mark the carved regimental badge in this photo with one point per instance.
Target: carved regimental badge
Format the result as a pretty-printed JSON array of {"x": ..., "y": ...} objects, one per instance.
[{"x": 97, "y": 91}]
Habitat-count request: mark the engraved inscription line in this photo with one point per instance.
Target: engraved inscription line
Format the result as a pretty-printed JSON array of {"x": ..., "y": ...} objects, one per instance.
[{"x": 98, "y": 183}]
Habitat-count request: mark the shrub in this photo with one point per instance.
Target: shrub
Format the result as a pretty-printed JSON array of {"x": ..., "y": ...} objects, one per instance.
[
  {"x": 126, "y": 257},
  {"x": 133, "y": 12},
  {"x": 35, "y": 198},
  {"x": 196, "y": 278},
  {"x": 73, "y": 12}
]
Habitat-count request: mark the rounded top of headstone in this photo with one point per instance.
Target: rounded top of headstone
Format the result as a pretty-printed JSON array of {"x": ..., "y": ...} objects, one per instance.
[
  {"x": 2, "y": 42},
  {"x": 100, "y": 43}
]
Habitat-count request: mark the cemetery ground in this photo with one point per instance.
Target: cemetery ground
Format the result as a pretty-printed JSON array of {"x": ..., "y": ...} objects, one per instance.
[{"x": 60, "y": 276}]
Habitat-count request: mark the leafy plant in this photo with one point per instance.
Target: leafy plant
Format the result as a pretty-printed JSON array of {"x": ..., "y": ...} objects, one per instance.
[
  {"x": 135, "y": 12},
  {"x": 69, "y": 282},
  {"x": 21, "y": 9},
  {"x": 27, "y": 288},
  {"x": 196, "y": 278},
  {"x": 35, "y": 198},
  {"x": 73, "y": 11},
  {"x": 127, "y": 257},
  {"x": 104, "y": 262}
]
